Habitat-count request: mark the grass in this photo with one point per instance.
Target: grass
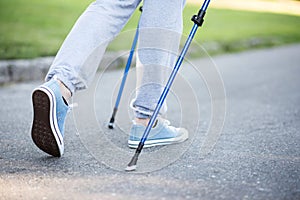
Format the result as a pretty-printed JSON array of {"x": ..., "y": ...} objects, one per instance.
[
  {"x": 237, "y": 30},
  {"x": 31, "y": 28}
]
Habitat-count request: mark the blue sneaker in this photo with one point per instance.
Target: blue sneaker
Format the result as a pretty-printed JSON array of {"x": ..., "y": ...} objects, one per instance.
[
  {"x": 49, "y": 113},
  {"x": 161, "y": 134}
]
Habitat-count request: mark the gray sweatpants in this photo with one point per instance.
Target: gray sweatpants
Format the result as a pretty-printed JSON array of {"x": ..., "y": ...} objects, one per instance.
[{"x": 160, "y": 30}]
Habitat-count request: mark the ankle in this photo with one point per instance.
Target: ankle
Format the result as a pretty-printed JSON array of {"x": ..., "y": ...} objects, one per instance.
[
  {"x": 66, "y": 93},
  {"x": 145, "y": 121},
  {"x": 142, "y": 121}
]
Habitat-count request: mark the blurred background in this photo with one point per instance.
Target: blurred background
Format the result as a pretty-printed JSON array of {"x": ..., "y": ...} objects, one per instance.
[{"x": 35, "y": 28}]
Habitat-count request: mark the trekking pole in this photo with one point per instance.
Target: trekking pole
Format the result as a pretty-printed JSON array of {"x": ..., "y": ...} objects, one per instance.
[
  {"x": 128, "y": 64},
  {"x": 198, "y": 21}
]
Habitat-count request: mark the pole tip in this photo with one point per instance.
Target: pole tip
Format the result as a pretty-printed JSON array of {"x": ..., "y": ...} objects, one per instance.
[
  {"x": 110, "y": 125},
  {"x": 130, "y": 168},
  {"x": 132, "y": 164}
]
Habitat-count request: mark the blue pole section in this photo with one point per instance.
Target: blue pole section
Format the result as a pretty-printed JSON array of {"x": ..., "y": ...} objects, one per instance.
[
  {"x": 128, "y": 64},
  {"x": 205, "y": 5}
]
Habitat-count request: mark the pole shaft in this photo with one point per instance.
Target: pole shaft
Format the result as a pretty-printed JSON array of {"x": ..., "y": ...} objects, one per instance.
[
  {"x": 169, "y": 83},
  {"x": 128, "y": 64}
]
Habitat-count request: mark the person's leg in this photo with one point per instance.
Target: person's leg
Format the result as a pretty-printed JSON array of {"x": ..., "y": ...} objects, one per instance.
[
  {"x": 79, "y": 56},
  {"x": 73, "y": 68},
  {"x": 159, "y": 38}
]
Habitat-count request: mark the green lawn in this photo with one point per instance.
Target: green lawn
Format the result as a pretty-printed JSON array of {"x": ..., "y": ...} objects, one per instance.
[{"x": 30, "y": 28}]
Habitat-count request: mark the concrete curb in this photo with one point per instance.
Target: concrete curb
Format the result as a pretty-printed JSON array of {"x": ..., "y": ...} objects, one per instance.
[{"x": 22, "y": 70}]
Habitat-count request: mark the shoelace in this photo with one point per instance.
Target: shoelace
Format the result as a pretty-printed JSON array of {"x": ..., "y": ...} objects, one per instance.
[{"x": 165, "y": 121}]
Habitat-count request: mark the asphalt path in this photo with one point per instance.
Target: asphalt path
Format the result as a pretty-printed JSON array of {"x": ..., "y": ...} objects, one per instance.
[{"x": 242, "y": 112}]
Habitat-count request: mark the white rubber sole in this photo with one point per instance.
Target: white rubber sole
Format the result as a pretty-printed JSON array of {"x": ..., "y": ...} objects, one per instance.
[
  {"x": 45, "y": 127},
  {"x": 159, "y": 142}
]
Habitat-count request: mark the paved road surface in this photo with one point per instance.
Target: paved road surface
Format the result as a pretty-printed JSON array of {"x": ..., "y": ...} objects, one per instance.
[{"x": 257, "y": 155}]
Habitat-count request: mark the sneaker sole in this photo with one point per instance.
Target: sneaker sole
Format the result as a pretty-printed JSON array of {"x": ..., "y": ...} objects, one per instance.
[
  {"x": 45, "y": 133},
  {"x": 152, "y": 143}
]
